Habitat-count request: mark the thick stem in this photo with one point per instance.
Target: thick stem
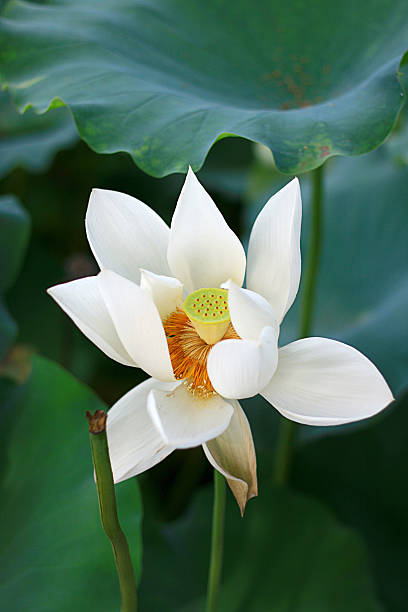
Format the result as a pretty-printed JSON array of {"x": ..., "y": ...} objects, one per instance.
[
  {"x": 108, "y": 511},
  {"x": 283, "y": 453},
  {"x": 287, "y": 429},
  {"x": 217, "y": 542},
  {"x": 312, "y": 262}
]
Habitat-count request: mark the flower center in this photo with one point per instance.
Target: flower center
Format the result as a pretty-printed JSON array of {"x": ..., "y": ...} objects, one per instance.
[
  {"x": 191, "y": 332},
  {"x": 208, "y": 311}
]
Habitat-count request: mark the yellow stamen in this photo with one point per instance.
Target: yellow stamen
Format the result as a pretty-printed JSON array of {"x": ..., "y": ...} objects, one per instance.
[{"x": 189, "y": 352}]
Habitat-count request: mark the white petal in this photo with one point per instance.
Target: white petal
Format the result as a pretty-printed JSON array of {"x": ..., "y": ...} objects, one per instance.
[
  {"x": 138, "y": 324},
  {"x": 83, "y": 302},
  {"x": 134, "y": 443},
  {"x": 249, "y": 312},
  {"x": 203, "y": 251},
  {"x": 324, "y": 382},
  {"x": 233, "y": 455},
  {"x": 125, "y": 234},
  {"x": 185, "y": 420},
  {"x": 242, "y": 368},
  {"x": 166, "y": 292},
  {"x": 274, "y": 249}
]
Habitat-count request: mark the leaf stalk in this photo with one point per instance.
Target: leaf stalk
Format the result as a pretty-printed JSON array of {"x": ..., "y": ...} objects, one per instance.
[
  {"x": 108, "y": 510},
  {"x": 287, "y": 428}
]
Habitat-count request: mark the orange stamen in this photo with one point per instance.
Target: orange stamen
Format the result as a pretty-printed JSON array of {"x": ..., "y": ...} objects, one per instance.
[{"x": 189, "y": 352}]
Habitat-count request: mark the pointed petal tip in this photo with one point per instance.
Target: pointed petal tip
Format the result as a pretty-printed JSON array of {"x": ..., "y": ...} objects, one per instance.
[
  {"x": 125, "y": 234},
  {"x": 82, "y": 301},
  {"x": 242, "y": 501},
  {"x": 137, "y": 322},
  {"x": 191, "y": 176},
  {"x": 100, "y": 190},
  {"x": 95, "y": 199},
  {"x": 294, "y": 187},
  {"x": 54, "y": 292},
  {"x": 54, "y": 289},
  {"x": 232, "y": 454},
  {"x": 199, "y": 234},
  {"x": 274, "y": 258}
]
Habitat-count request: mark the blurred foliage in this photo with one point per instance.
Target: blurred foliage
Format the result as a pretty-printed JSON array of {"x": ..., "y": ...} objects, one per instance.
[
  {"x": 54, "y": 554},
  {"x": 14, "y": 229},
  {"x": 163, "y": 81},
  {"x": 31, "y": 140},
  {"x": 287, "y": 553},
  {"x": 362, "y": 476},
  {"x": 8, "y": 329}
]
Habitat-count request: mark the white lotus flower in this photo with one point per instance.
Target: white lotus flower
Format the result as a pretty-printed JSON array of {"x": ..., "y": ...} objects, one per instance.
[{"x": 169, "y": 300}]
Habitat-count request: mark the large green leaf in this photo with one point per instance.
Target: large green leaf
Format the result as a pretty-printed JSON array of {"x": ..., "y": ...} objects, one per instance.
[
  {"x": 363, "y": 476},
  {"x": 53, "y": 552},
  {"x": 31, "y": 140},
  {"x": 163, "y": 80},
  {"x": 287, "y": 553}
]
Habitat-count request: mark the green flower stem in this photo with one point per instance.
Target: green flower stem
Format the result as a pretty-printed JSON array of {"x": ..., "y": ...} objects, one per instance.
[
  {"x": 287, "y": 429},
  {"x": 315, "y": 243},
  {"x": 283, "y": 454},
  {"x": 108, "y": 511},
  {"x": 217, "y": 542}
]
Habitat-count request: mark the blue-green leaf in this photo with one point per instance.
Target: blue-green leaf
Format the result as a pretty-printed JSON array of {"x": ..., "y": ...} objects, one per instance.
[
  {"x": 164, "y": 80},
  {"x": 31, "y": 140}
]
